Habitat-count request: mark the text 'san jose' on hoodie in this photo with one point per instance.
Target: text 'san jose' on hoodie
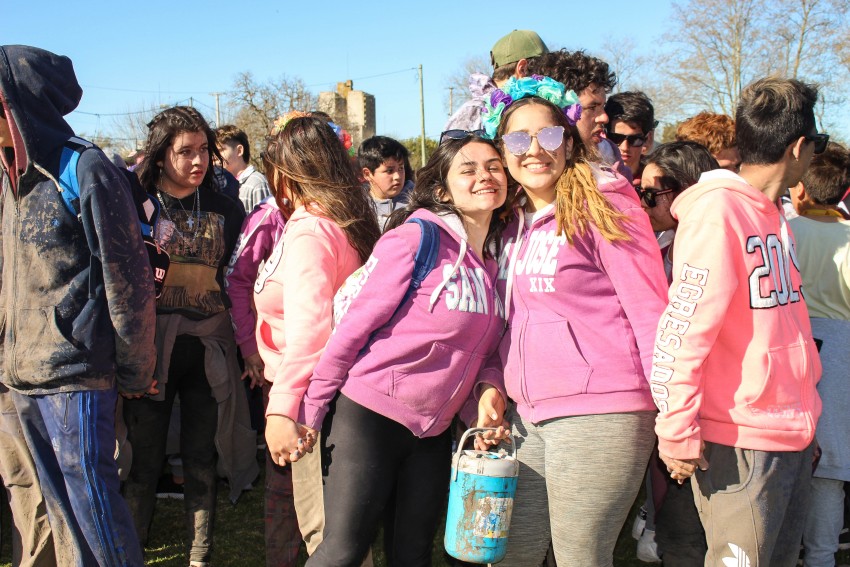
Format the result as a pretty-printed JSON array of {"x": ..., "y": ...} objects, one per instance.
[{"x": 423, "y": 362}]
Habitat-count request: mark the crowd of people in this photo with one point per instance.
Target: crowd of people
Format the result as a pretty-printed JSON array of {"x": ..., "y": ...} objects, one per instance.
[{"x": 634, "y": 313}]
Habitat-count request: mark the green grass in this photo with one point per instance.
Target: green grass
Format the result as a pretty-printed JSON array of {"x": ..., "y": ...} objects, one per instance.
[{"x": 239, "y": 536}]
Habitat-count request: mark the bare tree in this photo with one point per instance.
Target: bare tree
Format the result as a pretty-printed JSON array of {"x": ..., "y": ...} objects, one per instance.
[
  {"x": 720, "y": 48},
  {"x": 458, "y": 81},
  {"x": 255, "y": 105},
  {"x": 723, "y": 45},
  {"x": 625, "y": 60}
]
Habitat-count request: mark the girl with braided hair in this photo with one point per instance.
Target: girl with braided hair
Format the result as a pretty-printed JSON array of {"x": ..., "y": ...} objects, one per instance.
[{"x": 196, "y": 351}]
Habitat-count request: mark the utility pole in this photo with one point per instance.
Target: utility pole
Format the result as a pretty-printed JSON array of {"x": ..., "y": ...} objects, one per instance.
[
  {"x": 422, "y": 106},
  {"x": 192, "y": 101},
  {"x": 217, "y": 109},
  {"x": 451, "y": 100}
]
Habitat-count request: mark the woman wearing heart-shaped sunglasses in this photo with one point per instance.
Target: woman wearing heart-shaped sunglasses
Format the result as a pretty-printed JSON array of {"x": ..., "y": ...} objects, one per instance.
[{"x": 584, "y": 291}]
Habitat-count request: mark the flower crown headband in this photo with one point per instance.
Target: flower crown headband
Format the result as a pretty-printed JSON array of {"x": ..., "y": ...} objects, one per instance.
[
  {"x": 341, "y": 133},
  {"x": 535, "y": 85}
]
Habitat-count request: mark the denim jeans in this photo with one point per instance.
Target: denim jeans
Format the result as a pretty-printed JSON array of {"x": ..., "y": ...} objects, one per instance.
[
  {"x": 147, "y": 426},
  {"x": 823, "y": 522},
  {"x": 71, "y": 437}
]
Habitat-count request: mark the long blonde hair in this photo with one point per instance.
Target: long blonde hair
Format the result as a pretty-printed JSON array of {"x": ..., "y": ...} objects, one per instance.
[{"x": 578, "y": 201}]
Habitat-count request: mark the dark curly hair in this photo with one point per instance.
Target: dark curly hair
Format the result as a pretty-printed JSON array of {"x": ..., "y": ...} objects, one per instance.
[
  {"x": 575, "y": 69},
  {"x": 162, "y": 130}
]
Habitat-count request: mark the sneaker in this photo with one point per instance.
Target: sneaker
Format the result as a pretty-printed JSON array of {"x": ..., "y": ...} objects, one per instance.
[
  {"x": 640, "y": 523},
  {"x": 647, "y": 549},
  {"x": 844, "y": 539},
  {"x": 167, "y": 489}
]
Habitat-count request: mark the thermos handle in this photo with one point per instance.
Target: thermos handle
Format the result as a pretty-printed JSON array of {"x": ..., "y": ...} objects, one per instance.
[{"x": 474, "y": 430}]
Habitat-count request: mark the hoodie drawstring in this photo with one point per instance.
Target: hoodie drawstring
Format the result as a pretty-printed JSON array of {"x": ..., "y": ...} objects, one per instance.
[
  {"x": 512, "y": 266},
  {"x": 435, "y": 295}
]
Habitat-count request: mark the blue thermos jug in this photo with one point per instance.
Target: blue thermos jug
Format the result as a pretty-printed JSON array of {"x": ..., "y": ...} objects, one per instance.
[{"x": 481, "y": 498}]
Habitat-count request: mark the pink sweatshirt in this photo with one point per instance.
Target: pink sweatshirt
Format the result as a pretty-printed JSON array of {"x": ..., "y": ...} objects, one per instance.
[
  {"x": 734, "y": 359},
  {"x": 424, "y": 361},
  {"x": 294, "y": 299},
  {"x": 261, "y": 230},
  {"x": 582, "y": 316}
]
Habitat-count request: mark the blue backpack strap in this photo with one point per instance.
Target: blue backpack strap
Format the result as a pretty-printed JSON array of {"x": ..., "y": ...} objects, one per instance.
[
  {"x": 426, "y": 255},
  {"x": 68, "y": 182}
]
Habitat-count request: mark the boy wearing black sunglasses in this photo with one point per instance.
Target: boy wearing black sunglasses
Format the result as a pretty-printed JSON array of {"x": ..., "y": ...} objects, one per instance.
[
  {"x": 631, "y": 127},
  {"x": 735, "y": 365}
]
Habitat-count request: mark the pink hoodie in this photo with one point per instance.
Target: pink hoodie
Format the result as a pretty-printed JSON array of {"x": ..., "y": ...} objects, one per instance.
[
  {"x": 582, "y": 316},
  {"x": 261, "y": 230},
  {"x": 734, "y": 359},
  {"x": 424, "y": 361},
  {"x": 294, "y": 300}
]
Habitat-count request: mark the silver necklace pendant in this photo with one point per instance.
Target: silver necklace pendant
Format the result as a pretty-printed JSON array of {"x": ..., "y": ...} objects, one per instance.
[{"x": 191, "y": 223}]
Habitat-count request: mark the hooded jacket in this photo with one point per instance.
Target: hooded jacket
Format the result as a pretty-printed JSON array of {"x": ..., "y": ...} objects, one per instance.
[
  {"x": 77, "y": 298},
  {"x": 581, "y": 316},
  {"x": 424, "y": 359},
  {"x": 261, "y": 231},
  {"x": 294, "y": 299},
  {"x": 734, "y": 359}
]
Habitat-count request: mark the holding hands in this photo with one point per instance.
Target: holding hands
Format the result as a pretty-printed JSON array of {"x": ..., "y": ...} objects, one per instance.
[
  {"x": 682, "y": 469},
  {"x": 288, "y": 441}
]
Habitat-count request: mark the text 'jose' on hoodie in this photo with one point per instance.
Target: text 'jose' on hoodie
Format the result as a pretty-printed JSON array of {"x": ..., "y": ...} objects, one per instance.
[
  {"x": 581, "y": 316},
  {"x": 77, "y": 298},
  {"x": 734, "y": 361},
  {"x": 417, "y": 365}
]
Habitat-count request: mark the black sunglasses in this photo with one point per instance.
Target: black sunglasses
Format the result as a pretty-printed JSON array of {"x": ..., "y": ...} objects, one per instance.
[
  {"x": 820, "y": 140},
  {"x": 634, "y": 140},
  {"x": 460, "y": 134},
  {"x": 649, "y": 195}
]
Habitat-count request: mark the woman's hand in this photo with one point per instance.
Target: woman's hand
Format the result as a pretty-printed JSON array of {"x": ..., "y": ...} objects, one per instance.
[
  {"x": 683, "y": 469},
  {"x": 491, "y": 413},
  {"x": 254, "y": 368},
  {"x": 288, "y": 441}
]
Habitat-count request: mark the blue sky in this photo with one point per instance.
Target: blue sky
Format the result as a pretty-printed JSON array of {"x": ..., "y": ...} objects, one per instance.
[{"x": 131, "y": 55}]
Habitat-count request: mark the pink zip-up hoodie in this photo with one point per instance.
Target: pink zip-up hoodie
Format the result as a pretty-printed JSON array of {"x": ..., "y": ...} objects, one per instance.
[
  {"x": 424, "y": 360},
  {"x": 261, "y": 230},
  {"x": 734, "y": 359},
  {"x": 294, "y": 300},
  {"x": 582, "y": 317}
]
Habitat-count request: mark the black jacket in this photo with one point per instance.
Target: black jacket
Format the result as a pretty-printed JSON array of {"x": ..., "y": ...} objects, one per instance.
[{"x": 77, "y": 299}]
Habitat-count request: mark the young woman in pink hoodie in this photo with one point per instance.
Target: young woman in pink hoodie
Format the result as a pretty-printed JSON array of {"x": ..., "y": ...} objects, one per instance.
[
  {"x": 584, "y": 292},
  {"x": 330, "y": 231},
  {"x": 398, "y": 369}
]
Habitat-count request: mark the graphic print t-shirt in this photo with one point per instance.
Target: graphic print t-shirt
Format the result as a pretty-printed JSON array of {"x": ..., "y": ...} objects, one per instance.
[{"x": 199, "y": 245}]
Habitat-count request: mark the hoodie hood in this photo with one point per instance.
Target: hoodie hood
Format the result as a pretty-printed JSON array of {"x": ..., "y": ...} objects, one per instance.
[
  {"x": 721, "y": 179},
  {"x": 37, "y": 88},
  {"x": 451, "y": 224}
]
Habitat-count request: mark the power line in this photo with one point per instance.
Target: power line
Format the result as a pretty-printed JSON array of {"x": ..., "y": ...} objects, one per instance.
[
  {"x": 101, "y": 114},
  {"x": 368, "y": 77},
  {"x": 140, "y": 90}
]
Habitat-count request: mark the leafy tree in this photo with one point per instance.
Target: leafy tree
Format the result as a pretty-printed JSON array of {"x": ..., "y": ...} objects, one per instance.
[{"x": 414, "y": 146}]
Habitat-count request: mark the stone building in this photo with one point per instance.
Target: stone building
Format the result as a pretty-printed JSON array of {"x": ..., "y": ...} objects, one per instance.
[{"x": 351, "y": 109}]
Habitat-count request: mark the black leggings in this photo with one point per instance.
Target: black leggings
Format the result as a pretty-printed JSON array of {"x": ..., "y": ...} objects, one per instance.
[{"x": 366, "y": 459}]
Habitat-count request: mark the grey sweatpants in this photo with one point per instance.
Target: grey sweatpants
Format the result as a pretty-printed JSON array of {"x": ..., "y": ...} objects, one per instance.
[
  {"x": 753, "y": 505},
  {"x": 578, "y": 478}
]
